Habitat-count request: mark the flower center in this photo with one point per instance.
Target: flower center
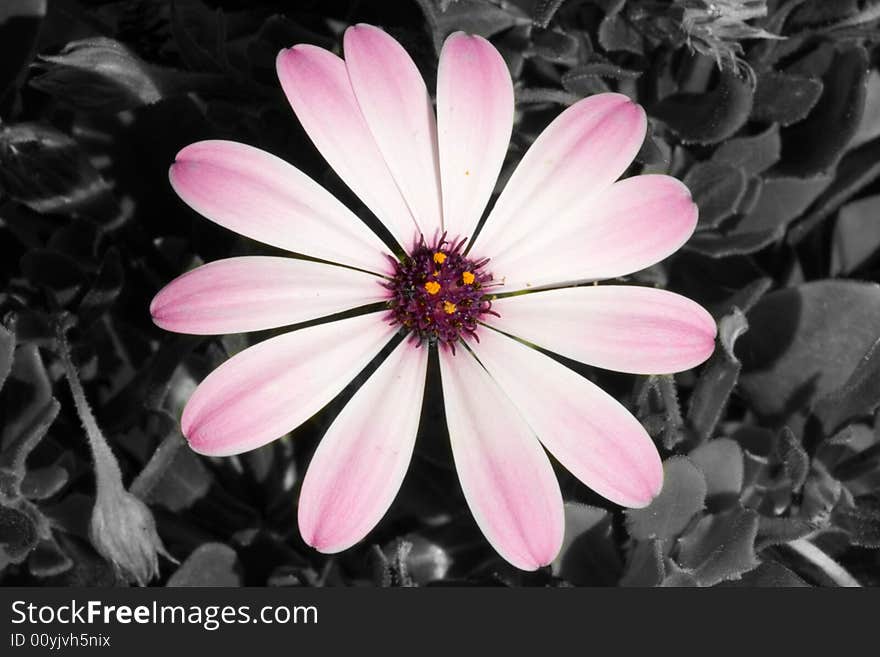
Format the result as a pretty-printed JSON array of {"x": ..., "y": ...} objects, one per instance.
[{"x": 438, "y": 294}]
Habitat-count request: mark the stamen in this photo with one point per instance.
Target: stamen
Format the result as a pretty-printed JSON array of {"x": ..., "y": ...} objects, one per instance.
[{"x": 438, "y": 295}]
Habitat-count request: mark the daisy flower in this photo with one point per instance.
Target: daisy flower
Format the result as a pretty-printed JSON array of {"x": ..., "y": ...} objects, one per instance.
[{"x": 484, "y": 297}]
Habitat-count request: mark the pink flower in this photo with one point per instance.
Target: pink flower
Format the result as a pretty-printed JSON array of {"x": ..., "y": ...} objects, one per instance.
[{"x": 561, "y": 220}]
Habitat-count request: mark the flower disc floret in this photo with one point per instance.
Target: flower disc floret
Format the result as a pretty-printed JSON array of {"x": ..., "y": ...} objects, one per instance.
[{"x": 438, "y": 294}]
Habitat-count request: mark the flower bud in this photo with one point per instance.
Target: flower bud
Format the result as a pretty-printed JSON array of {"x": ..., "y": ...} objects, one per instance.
[
  {"x": 124, "y": 532},
  {"x": 99, "y": 75}
]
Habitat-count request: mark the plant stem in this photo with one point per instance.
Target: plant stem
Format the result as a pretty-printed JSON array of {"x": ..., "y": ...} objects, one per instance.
[
  {"x": 837, "y": 573},
  {"x": 107, "y": 472},
  {"x": 158, "y": 464}
]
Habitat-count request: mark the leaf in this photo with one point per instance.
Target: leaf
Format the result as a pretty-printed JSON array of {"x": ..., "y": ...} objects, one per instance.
[
  {"x": 721, "y": 462},
  {"x": 536, "y": 95},
  {"x": 19, "y": 28},
  {"x": 47, "y": 171},
  {"x": 711, "y": 117},
  {"x": 682, "y": 496},
  {"x": 59, "y": 274},
  {"x": 597, "y": 70},
  {"x": 750, "y": 199},
  {"x": 744, "y": 298},
  {"x": 645, "y": 565},
  {"x": 41, "y": 483},
  {"x": 192, "y": 53},
  {"x": 860, "y": 395},
  {"x": 853, "y": 456},
  {"x": 776, "y": 531},
  {"x": 862, "y": 524},
  {"x": 804, "y": 342},
  {"x": 721, "y": 547},
  {"x": 616, "y": 34},
  {"x": 856, "y": 171},
  {"x": 210, "y": 564},
  {"x": 99, "y": 74},
  {"x": 588, "y": 556},
  {"x": 717, "y": 244},
  {"x": 7, "y": 348},
  {"x": 869, "y": 127},
  {"x": 474, "y": 17},
  {"x": 821, "y": 494},
  {"x": 781, "y": 201},
  {"x": 654, "y": 153},
  {"x": 823, "y": 13},
  {"x": 718, "y": 377},
  {"x": 816, "y": 144},
  {"x": 672, "y": 420},
  {"x": 678, "y": 578},
  {"x": 784, "y": 99},
  {"x": 554, "y": 46},
  {"x": 391, "y": 565},
  {"x": 717, "y": 190},
  {"x": 856, "y": 237},
  {"x": 426, "y": 561},
  {"x": 105, "y": 289},
  {"x": 22, "y": 526},
  {"x": 544, "y": 12},
  {"x": 27, "y": 395},
  {"x": 795, "y": 460},
  {"x": 184, "y": 482},
  {"x": 769, "y": 574},
  {"x": 88, "y": 570},
  {"x": 48, "y": 560},
  {"x": 753, "y": 154},
  {"x": 14, "y": 456}
]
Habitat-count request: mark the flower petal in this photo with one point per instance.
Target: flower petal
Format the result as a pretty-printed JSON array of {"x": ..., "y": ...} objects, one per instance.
[
  {"x": 583, "y": 151},
  {"x": 316, "y": 84},
  {"x": 253, "y": 293},
  {"x": 506, "y": 477},
  {"x": 586, "y": 429},
  {"x": 632, "y": 225},
  {"x": 271, "y": 388},
  {"x": 361, "y": 461},
  {"x": 474, "y": 122},
  {"x": 262, "y": 197},
  {"x": 396, "y": 105},
  {"x": 618, "y": 327}
]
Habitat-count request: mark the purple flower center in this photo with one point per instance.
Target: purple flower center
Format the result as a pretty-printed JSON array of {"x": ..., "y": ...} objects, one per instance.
[{"x": 439, "y": 295}]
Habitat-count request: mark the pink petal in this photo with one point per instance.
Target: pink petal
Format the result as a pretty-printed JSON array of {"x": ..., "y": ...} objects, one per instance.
[
  {"x": 506, "y": 477},
  {"x": 631, "y": 225},
  {"x": 271, "y": 388},
  {"x": 395, "y": 103},
  {"x": 474, "y": 122},
  {"x": 262, "y": 197},
  {"x": 586, "y": 429},
  {"x": 317, "y": 86},
  {"x": 618, "y": 327},
  {"x": 254, "y": 293},
  {"x": 583, "y": 151},
  {"x": 361, "y": 461}
]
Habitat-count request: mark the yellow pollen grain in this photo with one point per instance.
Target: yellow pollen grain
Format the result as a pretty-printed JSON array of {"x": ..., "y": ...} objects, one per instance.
[
  {"x": 439, "y": 257},
  {"x": 468, "y": 278},
  {"x": 433, "y": 287},
  {"x": 436, "y": 274},
  {"x": 449, "y": 307}
]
